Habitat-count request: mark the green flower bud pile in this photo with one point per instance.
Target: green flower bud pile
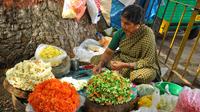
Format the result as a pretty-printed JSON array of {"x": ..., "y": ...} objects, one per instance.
[{"x": 109, "y": 88}]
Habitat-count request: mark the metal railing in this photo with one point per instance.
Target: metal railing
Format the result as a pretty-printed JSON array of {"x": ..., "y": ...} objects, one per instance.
[{"x": 174, "y": 66}]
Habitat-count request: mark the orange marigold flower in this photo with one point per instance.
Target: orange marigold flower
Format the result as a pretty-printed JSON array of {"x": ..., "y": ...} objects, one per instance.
[{"x": 54, "y": 96}]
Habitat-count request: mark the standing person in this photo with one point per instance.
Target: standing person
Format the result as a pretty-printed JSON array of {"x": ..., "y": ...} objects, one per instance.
[{"x": 136, "y": 58}]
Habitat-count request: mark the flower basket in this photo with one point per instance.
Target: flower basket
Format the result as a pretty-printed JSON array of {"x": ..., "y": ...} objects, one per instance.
[
  {"x": 94, "y": 107},
  {"x": 18, "y": 104},
  {"x": 15, "y": 91},
  {"x": 109, "y": 92}
]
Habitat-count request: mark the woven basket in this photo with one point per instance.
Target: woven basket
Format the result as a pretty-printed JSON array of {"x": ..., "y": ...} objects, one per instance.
[
  {"x": 19, "y": 104},
  {"x": 94, "y": 107},
  {"x": 15, "y": 91}
]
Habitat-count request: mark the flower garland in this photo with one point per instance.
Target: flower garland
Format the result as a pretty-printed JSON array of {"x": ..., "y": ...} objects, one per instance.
[{"x": 54, "y": 96}]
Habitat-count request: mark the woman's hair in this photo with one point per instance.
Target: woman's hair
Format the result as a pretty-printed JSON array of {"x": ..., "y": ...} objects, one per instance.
[{"x": 134, "y": 13}]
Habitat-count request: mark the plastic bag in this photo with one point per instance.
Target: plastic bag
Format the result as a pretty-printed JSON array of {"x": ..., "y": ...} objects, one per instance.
[
  {"x": 68, "y": 12},
  {"x": 145, "y": 101},
  {"x": 93, "y": 10},
  {"x": 155, "y": 101},
  {"x": 145, "y": 89},
  {"x": 79, "y": 7},
  {"x": 188, "y": 100},
  {"x": 55, "y": 61},
  {"x": 127, "y": 2},
  {"x": 74, "y": 9},
  {"x": 87, "y": 50},
  {"x": 105, "y": 41},
  {"x": 106, "y": 10},
  {"x": 167, "y": 102}
]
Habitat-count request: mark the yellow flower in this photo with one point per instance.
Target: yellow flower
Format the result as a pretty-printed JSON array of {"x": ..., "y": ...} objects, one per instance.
[
  {"x": 145, "y": 101},
  {"x": 50, "y": 52}
]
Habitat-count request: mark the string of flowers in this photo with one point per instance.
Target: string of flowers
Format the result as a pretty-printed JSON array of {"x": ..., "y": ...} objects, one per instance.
[{"x": 54, "y": 96}]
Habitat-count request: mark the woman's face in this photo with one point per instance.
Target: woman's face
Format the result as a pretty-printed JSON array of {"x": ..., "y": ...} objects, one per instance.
[{"x": 128, "y": 27}]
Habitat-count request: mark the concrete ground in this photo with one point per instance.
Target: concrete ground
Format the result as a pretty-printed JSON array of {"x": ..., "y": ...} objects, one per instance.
[{"x": 194, "y": 63}]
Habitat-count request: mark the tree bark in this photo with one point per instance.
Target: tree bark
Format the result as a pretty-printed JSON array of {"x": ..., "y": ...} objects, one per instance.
[{"x": 24, "y": 24}]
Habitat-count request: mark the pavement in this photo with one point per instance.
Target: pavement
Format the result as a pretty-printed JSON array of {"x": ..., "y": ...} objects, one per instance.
[{"x": 193, "y": 65}]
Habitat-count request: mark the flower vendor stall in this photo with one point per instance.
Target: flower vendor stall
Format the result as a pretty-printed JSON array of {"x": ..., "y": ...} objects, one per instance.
[{"x": 36, "y": 87}]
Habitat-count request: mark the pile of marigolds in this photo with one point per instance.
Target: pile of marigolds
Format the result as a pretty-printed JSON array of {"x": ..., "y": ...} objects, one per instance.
[{"x": 54, "y": 96}]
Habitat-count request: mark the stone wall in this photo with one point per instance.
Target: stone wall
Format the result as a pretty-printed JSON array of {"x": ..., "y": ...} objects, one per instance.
[{"x": 23, "y": 29}]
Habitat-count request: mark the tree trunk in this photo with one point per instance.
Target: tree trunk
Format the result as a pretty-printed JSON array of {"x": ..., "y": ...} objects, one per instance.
[{"x": 24, "y": 24}]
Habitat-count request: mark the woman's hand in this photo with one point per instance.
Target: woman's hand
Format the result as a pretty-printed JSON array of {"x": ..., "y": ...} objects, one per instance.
[
  {"x": 117, "y": 65},
  {"x": 106, "y": 57},
  {"x": 97, "y": 69}
]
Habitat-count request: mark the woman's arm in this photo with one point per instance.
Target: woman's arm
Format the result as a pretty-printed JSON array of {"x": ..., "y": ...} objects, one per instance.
[
  {"x": 118, "y": 65},
  {"x": 129, "y": 65},
  {"x": 106, "y": 57}
]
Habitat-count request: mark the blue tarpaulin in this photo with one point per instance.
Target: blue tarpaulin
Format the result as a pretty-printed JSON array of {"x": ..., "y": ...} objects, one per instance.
[
  {"x": 117, "y": 8},
  {"x": 150, "y": 15},
  {"x": 115, "y": 16}
]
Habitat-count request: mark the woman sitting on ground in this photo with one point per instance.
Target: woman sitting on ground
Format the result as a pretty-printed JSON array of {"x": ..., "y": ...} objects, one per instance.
[{"x": 136, "y": 58}]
